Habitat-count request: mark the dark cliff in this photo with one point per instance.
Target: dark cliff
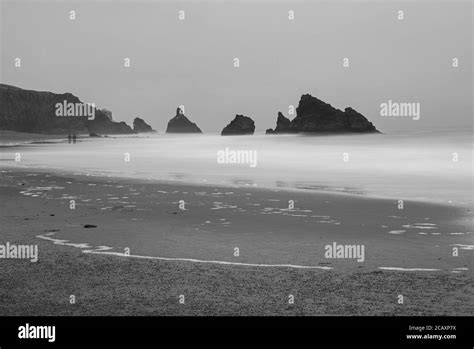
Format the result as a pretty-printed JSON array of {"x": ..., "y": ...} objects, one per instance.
[{"x": 36, "y": 112}]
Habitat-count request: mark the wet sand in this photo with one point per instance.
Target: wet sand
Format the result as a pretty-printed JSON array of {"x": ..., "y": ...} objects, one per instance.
[{"x": 191, "y": 252}]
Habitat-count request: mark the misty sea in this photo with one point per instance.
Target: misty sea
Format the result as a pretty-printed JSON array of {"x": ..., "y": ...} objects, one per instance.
[{"x": 434, "y": 166}]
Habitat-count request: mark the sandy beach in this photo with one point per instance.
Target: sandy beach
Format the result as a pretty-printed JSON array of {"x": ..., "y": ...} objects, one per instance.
[{"x": 192, "y": 252}]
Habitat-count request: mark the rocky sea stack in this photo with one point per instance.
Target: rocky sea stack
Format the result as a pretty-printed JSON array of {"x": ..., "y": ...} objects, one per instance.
[
  {"x": 241, "y": 125},
  {"x": 283, "y": 125},
  {"x": 316, "y": 116},
  {"x": 181, "y": 124},
  {"x": 140, "y": 126},
  {"x": 37, "y": 112}
]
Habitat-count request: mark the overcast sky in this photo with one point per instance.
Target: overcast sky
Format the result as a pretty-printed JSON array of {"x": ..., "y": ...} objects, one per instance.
[{"x": 191, "y": 62}]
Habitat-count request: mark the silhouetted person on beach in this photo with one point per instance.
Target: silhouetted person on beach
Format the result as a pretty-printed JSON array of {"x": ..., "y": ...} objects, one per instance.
[
  {"x": 74, "y": 138},
  {"x": 69, "y": 138}
]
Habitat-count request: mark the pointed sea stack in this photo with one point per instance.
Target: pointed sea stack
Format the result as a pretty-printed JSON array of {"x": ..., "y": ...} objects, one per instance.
[
  {"x": 316, "y": 116},
  {"x": 241, "y": 125},
  {"x": 181, "y": 124},
  {"x": 283, "y": 125}
]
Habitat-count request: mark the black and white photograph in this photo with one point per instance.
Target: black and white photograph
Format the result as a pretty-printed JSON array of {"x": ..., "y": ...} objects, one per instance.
[{"x": 206, "y": 161}]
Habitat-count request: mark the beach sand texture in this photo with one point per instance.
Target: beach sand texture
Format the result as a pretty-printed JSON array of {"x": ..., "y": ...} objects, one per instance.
[{"x": 191, "y": 252}]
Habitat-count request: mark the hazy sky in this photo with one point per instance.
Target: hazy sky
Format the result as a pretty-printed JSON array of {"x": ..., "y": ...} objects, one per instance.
[{"x": 191, "y": 63}]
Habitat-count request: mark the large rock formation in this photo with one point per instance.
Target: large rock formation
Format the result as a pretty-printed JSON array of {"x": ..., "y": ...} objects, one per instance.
[
  {"x": 316, "y": 116},
  {"x": 140, "y": 126},
  {"x": 37, "y": 112},
  {"x": 241, "y": 125},
  {"x": 181, "y": 124}
]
